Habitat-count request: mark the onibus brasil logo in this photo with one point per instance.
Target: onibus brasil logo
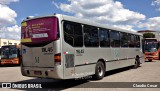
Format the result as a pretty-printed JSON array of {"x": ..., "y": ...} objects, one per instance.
[{"x": 20, "y": 85}]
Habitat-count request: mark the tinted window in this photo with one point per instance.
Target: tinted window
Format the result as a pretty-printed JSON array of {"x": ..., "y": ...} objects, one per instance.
[
  {"x": 115, "y": 38},
  {"x": 124, "y": 39},
  {"x": 104, "y": 38},
  {"x": 73, "y": 34},
  {"x": 91, "y": 36},
  {"x": 131, "y": 41},
  {"x": 137, "y": 41}
]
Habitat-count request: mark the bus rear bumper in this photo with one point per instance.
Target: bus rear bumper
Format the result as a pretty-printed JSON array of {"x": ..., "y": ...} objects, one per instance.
[
  {"x": 147, "y": 58},
  {"x": 41, "y": 72},
  {"x": 10, "y": 62}
]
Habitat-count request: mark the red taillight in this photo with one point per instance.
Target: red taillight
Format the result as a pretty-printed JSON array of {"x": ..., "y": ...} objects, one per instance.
[{"x": 57, "y": 58}]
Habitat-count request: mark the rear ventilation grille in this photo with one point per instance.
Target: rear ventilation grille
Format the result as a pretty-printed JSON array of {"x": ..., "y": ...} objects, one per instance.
[{"x": 69, "y": 60}]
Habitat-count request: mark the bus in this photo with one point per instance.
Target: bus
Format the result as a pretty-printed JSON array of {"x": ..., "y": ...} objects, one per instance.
[
  {"x": 64, "y": 47},
  {"x": 10, "y": 55},
  {"x": 151, "y": 49}
]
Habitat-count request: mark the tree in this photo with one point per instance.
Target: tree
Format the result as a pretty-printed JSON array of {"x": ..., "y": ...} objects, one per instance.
[{"x": 148, "y": 35}]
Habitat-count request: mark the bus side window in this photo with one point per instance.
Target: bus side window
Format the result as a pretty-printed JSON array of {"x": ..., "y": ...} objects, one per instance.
[
  {"x": 131, "y": 40},
  {"x": 91, "y": 36},
  {"x": 104, "y": 37},
  {"x": 115, "y": 38},
  {"x": 73, "y": 34},
  {"x": 68, "y": 33},
  {"x": 78, "y": 35},
  {"x": 137, "y": 41},
  {"x": 124, "y": 39}
]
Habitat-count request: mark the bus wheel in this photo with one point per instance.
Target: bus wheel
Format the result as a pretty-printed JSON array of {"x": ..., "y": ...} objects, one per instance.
[{"x": 100, "y": 70}]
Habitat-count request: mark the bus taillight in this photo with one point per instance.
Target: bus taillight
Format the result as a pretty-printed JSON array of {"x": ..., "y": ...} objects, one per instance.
[{"x": 57, "y": 59}]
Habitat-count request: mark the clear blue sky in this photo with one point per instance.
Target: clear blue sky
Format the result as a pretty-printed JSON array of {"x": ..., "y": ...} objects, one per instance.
[
  {"x": 128, "y": 14},
  {"x": 142, "y": 6}
]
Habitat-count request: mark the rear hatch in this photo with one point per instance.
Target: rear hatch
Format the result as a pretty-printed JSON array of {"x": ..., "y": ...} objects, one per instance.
[
  {"x": 37, "y": 38},
  {"x": 38, "y": 56}
]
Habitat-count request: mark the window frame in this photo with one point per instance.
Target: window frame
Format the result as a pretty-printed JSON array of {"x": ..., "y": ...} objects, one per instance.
[
  {"x": 122, "y": 39},
  {"x": 108, "y": 32},
  {"x": 137, "y": 38},
  {"x": 84, "y": 34},
  {"x": 73, "y": 34},
  {"x": 119, "y": 45},
  {"x": 130, "y": 40}
]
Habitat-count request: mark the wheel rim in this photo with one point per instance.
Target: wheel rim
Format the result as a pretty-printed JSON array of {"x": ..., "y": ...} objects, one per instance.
[{"x": 100, "y": 71}]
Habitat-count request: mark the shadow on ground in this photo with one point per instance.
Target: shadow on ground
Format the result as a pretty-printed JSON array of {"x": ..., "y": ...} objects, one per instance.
[
  {"x": 2, "y": 66},
  {"x": 150, "y": 61},
  {"x": 57, "y": 85}
]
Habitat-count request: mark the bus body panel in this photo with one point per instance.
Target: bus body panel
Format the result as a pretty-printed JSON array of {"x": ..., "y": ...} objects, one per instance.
[
  {"x": 53, "y": 73},
  {"x": 42, "y": 61},
  {"x": 68, "y": 60},
  {"x": 85, "y": 63},
  {"x": 40, "y": 58}
]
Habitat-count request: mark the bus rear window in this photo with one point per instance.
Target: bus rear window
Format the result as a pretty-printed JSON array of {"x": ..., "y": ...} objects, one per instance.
[{"x": 39, "y": 30}]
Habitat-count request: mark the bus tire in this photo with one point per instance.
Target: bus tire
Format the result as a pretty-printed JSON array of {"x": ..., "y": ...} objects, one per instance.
[{"x": 99, "y": 71}]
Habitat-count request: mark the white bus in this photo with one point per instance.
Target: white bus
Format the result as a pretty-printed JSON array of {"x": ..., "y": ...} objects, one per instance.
[{"x": 65, "y": 47}]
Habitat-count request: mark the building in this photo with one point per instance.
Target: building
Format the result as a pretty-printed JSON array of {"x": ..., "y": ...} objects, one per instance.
[
  {"x": 156, "y": 33},
  {"x": 8, "y": 42}
]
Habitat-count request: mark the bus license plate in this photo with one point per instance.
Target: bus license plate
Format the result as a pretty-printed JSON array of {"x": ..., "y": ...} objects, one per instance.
[{"x": 38, "y": 72}]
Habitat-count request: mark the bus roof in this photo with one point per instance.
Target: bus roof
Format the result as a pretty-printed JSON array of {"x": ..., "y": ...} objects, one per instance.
[{"x": 83, "y": 21}]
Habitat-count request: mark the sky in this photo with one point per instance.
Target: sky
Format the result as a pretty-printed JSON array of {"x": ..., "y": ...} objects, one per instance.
[{"x": 132, "y": 15}]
